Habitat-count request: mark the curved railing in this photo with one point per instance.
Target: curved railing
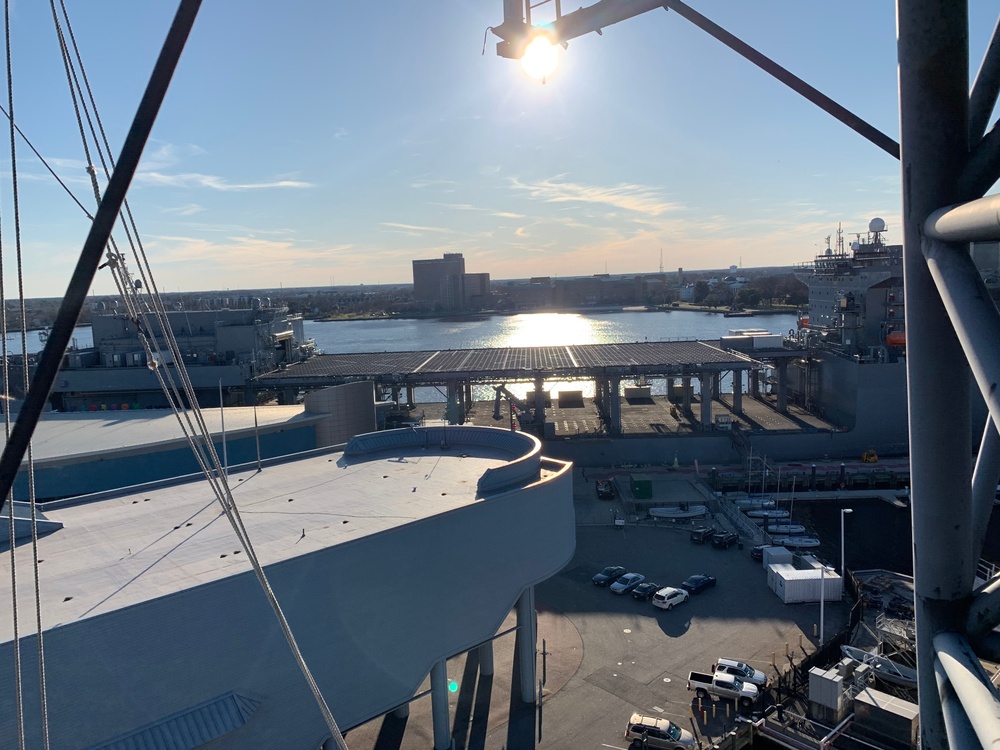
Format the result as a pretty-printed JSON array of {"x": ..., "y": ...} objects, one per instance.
[{"x": 523, "y": 449}]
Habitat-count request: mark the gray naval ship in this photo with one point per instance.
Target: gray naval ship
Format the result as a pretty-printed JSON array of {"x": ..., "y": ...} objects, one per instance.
[{"x": 854, "y": 372}]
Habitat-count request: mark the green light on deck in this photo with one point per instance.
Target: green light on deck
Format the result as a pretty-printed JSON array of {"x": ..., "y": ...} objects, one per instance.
[{"x": 452, "y": 686}]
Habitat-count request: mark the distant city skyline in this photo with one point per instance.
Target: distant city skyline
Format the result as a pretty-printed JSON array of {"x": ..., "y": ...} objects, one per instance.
[{"x": 282, "y": 157}]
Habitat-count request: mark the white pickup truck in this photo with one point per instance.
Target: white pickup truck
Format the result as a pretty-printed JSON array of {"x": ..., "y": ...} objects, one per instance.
[{"x": 724, "y": 686}]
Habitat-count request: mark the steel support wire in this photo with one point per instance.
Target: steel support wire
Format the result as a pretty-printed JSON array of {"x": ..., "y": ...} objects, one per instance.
[
  {"x": 956, "y": 721},
  {"x": 93, "y": 248},
  {"x": 985, "y": 476},
  {"x": 972, "y": 686},
  {"x": 983, "y": 97},
  {"x": 788, "y": 78}
]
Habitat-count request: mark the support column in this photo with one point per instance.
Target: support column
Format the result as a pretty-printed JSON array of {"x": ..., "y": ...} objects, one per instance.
[
  {"x": 402, "y": 712},
  {"x": 783, "y": 386},
  {"x": 614, "y": 407},
  {"x": 486, "y": 659},
  {"x": 409, "y": 397},
  {"x": 454, "y": 412},
  {"x": 716, "y": 385},
  {"x": 706, "y": 399},
  {"x": 527, "y": 636},
  {"x": 933, "y": 52},
  {"x": 670, "y": 389},
  {"x": 737, "y": 391},
  {"x": 686, "y": 398},
  {"x": 539, "y": 400},
  {"x": 439, "y": 705},
  {"x": 468, "y": 396}
]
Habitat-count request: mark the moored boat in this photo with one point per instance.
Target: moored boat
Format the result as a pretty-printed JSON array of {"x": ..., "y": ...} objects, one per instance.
[{"x": 884, "y": 667}]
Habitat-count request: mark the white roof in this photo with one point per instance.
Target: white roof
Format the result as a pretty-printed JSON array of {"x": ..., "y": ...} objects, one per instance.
[
  {"x": 118, "y": 551},
  {"x": 64, "y": 435}
]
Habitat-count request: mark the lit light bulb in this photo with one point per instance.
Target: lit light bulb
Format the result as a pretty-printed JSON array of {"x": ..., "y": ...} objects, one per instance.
[{"x": 540, "y": 58}]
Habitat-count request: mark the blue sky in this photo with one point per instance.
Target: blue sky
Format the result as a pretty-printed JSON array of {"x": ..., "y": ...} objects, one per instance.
[{"x": 309, "y": 143}]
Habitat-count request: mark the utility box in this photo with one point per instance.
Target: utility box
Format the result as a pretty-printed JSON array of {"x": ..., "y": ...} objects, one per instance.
[
  {"x": 642, "y": 489},
  {"x": 638, "y": 391},
  {"x": 886, "y": 720}
]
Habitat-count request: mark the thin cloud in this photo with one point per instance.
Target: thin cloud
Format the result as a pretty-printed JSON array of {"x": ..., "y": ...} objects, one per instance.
[
  {"x": 415, "y": 228},
  {"x": 189, "y": 210},
  {"x": 213, "y": 182},
  {"x": 637, "y": 198}
]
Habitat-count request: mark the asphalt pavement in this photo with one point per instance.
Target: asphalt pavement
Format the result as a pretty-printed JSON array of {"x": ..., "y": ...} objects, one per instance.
[{"x": 604, "y": 656}]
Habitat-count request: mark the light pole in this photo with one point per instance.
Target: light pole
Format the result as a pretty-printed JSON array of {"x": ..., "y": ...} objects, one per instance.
[{"x": 843, "y": 514}]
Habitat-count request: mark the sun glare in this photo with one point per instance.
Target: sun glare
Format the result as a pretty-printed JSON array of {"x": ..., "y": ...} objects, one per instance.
[{"x": 540, "y": 58}]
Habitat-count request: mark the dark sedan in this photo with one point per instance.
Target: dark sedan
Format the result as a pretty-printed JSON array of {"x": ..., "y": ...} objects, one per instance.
[
  {"x": 697, "y": 583},
  {"x": 725, "y": 539},
  {"x": 645, "y": 590},
  {"x": 605, "y": 490},
  {"x": 609, "y": 575}
]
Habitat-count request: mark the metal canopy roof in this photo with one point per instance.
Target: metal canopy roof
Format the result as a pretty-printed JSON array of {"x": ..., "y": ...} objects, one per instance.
[{"x": 515, "y": 363}]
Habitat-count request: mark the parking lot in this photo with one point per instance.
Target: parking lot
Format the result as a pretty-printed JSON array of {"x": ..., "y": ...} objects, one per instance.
[{"x": 605, "y": 656}]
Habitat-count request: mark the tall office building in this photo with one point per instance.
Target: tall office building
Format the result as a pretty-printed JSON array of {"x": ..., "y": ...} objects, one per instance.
[{"x": 440, "y": 280}]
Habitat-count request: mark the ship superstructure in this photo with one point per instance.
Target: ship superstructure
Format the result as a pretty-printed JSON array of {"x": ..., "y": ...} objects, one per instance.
[
  {"x": 856, "y": 297},
  {"x": 224, "y": 343},
  {"x": 854, "y": 372}
]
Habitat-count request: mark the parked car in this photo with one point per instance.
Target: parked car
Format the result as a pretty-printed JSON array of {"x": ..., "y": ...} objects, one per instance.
[
  {"x": 627, "y": 583},
  {"x": 668, "y": 597},
  {"x": 701, "y": 534},
  {"x": 658, "y": 733},
  {"x": 725, "y": 539},
  {"x": 724, "y": 686},
  {"x": 645, "y": 590},
  {"x": 605, "y": 490},
  {"x": 609, "y": 575},
  {"x": 697, "y": 583},
  {"x": 742, "y": 670},
  {"x": 757, "y": 552}
]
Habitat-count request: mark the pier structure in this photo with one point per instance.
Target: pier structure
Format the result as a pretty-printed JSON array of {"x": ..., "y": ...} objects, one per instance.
[{"x": 609, "y": 366}]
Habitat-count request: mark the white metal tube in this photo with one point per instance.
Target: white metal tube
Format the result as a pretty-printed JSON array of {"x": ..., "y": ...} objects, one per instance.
[
  {"x": 977, "y": 695},
  {"x": 975, "y": 221}
]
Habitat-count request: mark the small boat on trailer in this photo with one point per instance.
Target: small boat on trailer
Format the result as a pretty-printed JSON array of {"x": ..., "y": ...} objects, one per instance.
[
  {"x": 766, "y": 515},
  {"x": 796, "y": 542},
  {"x": 785, "y": 529},
  {"x": 681, "y": 511},
  {"x": 883, "y": 667}
]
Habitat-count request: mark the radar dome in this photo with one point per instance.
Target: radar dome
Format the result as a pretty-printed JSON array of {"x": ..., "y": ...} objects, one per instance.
[{"x": 876, "y": 225}]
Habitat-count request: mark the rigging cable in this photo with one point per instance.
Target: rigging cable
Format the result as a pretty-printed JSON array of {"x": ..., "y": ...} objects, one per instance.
[
  {"x": 24, "y": 372},
  {"x": 142, "y": 316}
]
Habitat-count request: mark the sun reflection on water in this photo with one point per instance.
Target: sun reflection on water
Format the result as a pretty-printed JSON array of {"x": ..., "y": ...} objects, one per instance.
[{"x": 551, "y": 329}]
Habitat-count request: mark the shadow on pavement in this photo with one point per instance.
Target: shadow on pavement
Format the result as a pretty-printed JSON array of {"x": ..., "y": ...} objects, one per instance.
[{"x": 390, "y": 736}]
